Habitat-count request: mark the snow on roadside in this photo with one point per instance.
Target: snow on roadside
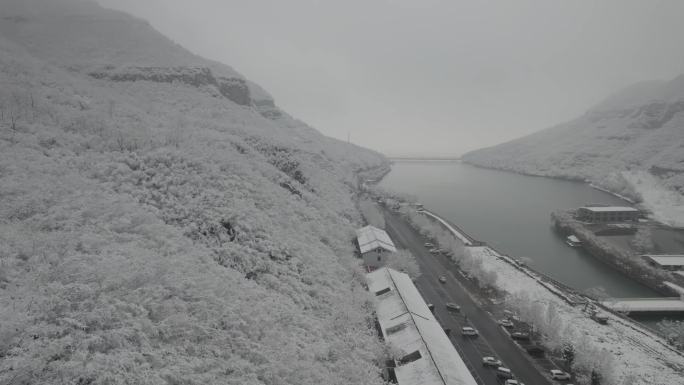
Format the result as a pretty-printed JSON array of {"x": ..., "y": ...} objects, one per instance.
[
  {"x": 455, "y": 232},
  {"x": 640, "y": 356},
  {"x": 666, "y": 205}
]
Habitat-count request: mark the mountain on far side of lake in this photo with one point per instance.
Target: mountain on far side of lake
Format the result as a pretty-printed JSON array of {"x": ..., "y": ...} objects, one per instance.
[{"x": 632, "y": 144}]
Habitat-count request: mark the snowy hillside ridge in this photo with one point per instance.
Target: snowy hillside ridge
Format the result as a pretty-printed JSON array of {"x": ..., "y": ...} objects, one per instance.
[
  {"x": 234, "y": 89},
  {"x": 640, "y": 129},
  {"x": 155, "y": 232},
  {"x": 624, "y": 352}
]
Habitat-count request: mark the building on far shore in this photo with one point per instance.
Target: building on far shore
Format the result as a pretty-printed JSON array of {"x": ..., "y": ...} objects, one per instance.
[
  {"x": 607, "y": 214},
  {"x": 374, "y": 246},
  {"x": 671, "y": 262}
]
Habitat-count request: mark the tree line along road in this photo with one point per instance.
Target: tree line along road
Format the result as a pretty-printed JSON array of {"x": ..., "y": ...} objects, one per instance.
[{"x": 492, "y": 341}]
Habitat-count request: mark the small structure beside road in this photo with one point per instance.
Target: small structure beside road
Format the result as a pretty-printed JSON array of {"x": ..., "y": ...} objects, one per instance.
[
  {"x": 406, "y": 323},
  {"x": 374, "y": 246}
]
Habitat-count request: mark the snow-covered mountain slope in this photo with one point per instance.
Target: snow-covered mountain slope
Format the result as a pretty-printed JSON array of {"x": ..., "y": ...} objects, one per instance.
[
  {"x": 632, "y": 143},
  {"x": 162, "y": 220}
]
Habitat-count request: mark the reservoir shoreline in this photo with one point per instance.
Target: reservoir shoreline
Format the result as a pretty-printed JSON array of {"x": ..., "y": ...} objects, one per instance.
[{"x": 513, "y": 222}]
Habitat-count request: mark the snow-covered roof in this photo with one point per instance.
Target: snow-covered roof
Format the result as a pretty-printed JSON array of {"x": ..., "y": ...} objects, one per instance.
[
  {"x": 412, "y": 327},
  {"x": 573, "y": 238},
  {"x": 667, "y": 259},
  {"x": 603, "y": 209},
  {"x": 371, "y": 238}
]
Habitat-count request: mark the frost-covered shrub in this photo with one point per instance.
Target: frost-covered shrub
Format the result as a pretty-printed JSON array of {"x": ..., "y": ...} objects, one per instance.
[{"x": 145, "y": 237}]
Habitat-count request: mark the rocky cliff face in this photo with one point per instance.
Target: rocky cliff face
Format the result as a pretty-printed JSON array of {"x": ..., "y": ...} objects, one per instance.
[{"x": 232, "y": 88}]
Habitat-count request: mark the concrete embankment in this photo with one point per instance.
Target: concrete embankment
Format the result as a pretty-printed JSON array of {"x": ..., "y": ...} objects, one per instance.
[
  {"x": 559, "y": 289},
  {"x": 455, "y": 230},
  {"x": 571, "y": 296},
  {"x": 631, "y": 265}
]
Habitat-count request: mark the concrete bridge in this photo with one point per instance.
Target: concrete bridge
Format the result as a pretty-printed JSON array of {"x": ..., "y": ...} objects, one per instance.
[{"x": 646, "y": 305}]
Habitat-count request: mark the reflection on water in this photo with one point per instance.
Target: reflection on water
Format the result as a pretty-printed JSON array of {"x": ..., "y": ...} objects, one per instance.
[{"x": 511, "y": 212}]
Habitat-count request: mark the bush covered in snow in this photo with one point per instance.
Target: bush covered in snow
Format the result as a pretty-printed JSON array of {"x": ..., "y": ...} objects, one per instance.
[{"x": 158, "y": 232}]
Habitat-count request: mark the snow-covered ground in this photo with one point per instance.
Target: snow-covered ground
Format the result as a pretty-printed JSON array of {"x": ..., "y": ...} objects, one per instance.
[
  {"x": 631, "y": 145},
  {"x": 639, "y": 354},
  {"x": 666, "y": 205},
  {"x": 154, "y": 230}
]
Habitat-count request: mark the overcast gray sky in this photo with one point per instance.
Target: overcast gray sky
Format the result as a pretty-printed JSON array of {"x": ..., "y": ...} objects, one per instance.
[{"x": 430, "y": 77}]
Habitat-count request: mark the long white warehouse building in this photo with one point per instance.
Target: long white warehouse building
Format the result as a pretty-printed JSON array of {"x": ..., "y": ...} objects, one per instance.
[{"x": 407, "y": 324}]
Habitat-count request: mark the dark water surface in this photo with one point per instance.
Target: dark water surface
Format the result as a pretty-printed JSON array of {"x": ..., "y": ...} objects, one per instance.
[{"x": 511, "y": 212}]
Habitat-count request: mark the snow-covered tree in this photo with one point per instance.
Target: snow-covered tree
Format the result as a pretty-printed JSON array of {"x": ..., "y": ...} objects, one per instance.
[
  {"x": 643, "y": 240},
  {"x": 568, "y": 354},
  {"x": 372, "y": 214},
  {"x": 404, "y": 261},
  {"x": 673, "y": 330},
  {"x": 147, "y": 225}
]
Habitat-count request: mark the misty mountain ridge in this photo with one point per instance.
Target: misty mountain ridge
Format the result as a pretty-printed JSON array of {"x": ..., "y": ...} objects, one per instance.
[
  {"x": 162, "y": 220},
  {"x": 632, "y": 143}
]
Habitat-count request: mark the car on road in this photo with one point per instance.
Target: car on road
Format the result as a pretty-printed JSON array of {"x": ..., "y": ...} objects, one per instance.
[
  {"x": 442, "y": 279},
  {"x": 431, "y": 307},
  {"x": 452, "y": 306},
  {"x": 502, "y": 372},
  {"x": 468, "y": 331},
  {"x": 428, "y": 245},
  {"x": 559, "y": 375},
  {"x": 513, "y": 382},
  {"x": 511, "y": 315},
  {"x": 506, "y": 323},
  {"x": 491, "y": 361},
  {"x": 535, "y": 351},
  {"x": 523, "y": 336},
  {"x": 435, "y": 250}
]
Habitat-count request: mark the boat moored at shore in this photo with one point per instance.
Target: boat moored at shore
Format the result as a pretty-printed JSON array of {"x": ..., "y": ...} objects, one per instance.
[{"x": 573, "y": 241}]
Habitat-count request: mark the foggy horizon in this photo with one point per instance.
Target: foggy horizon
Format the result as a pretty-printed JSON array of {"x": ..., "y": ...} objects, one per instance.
[{"x": 438, "y": 78}]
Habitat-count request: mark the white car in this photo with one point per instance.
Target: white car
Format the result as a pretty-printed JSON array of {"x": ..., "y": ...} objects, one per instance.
[
  {"x": 491, "y": 361},
  {"x": 512, "y": 382},
  {"x": 502, "y": 372},
  {"x": 452, "y": 306},
  {"x": 428, "y": 245},
  {"x": 435, "y": 250},
  {"x": 442, "y": 279},
  {"x": 468, "y": 331},
  {"x": 559, "y": 375}
]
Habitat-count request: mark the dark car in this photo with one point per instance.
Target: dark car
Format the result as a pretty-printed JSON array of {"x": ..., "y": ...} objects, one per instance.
[
  {"x": 506, "y": 323},
  {"x": 523, "y": 336},
  {"x": 536, "y": 351}
]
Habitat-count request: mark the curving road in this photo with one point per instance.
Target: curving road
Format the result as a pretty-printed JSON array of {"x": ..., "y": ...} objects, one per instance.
[{"x": 493, "y": 339}]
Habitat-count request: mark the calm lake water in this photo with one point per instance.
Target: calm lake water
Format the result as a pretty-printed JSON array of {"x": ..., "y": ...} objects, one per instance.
[{"x": 512, "y": 212}]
